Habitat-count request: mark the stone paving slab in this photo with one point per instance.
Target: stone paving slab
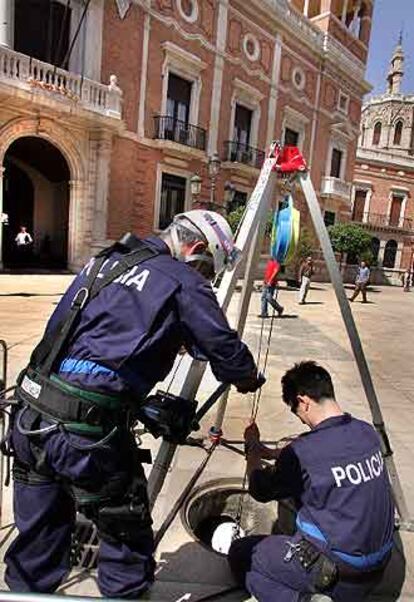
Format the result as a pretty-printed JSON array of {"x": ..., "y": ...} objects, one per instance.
[{"x": 313, "y": 331}]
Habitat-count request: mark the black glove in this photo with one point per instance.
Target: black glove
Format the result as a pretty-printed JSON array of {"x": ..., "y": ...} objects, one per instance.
[{"x": 251, "y": 383}]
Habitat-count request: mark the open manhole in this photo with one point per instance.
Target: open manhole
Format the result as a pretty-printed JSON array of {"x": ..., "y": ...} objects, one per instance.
[{"x": 210, "y": 514}]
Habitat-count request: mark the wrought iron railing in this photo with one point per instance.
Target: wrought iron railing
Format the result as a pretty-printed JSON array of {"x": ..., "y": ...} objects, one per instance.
[
  {"x": 379, "y": 220},
  {"x": 242, "y": 153},
  {"x": 169, "y": 128}
]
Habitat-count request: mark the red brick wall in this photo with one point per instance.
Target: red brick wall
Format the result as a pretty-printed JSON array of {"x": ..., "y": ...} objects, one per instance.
[{"x": 122, "y": 55}]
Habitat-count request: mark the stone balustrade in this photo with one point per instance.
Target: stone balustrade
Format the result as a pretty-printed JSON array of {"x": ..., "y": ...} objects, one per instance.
[
  {"x": 335, "y": 187},
  {"x": 28, "y": 73}
]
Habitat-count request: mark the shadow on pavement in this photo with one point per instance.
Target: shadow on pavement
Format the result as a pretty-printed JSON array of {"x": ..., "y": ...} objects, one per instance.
[{"x": 31, "y": 294}]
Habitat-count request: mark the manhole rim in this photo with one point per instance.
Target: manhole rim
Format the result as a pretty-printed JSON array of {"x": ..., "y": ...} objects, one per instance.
[{"x": 225, "y": 483}]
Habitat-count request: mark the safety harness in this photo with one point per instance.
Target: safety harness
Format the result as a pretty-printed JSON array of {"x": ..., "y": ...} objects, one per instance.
[{"x": 57, "y": 401}]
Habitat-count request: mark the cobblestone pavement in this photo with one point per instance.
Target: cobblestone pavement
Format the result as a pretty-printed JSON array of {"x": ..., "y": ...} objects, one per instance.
[{"x": 313, "y": 331}]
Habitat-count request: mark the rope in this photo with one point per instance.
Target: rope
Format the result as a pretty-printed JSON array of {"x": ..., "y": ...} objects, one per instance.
[
  {"x": 58, "y": 49},
  {"x": 175, "y": 372},
  {"x": 255, "y": 408},
  {"x": 76, "y": 34}
]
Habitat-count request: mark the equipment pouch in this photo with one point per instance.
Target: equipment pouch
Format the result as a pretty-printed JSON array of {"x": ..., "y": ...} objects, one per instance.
[{"x": 325, "y": 571}]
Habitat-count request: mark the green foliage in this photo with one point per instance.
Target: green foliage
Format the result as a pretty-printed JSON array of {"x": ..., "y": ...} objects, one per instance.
[
  {"x": 234, "y": 217},
  {"x": 350, "y": 238}
]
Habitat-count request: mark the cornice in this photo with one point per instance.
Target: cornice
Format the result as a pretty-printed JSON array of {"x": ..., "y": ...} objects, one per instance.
[
  {"x": 384, "y": 158},
  {"x": 285, "y": 18},
  {"x": 385, "y": 99}
]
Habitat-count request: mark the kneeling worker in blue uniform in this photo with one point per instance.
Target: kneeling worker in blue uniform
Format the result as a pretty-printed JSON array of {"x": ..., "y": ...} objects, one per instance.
[
  {"x": 113, "y": 336},
  {"x": 336, "y": 475}
]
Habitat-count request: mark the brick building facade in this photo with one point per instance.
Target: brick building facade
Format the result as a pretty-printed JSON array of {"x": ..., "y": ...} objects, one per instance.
[
  {"x": 196, "y": 80},
  {"x": 383, "y": 190}
]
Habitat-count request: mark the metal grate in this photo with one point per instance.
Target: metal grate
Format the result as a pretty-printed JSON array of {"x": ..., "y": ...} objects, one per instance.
[{"x": 85, "y": 544}]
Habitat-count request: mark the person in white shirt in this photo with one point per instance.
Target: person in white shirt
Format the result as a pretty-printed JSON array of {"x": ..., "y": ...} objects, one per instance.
[
  {"x": 23, "y": 242},
  {"x": 23, "y": 238}
]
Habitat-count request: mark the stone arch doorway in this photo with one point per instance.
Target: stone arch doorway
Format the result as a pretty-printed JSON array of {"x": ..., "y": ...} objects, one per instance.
[{"x": 36, "y": 195}]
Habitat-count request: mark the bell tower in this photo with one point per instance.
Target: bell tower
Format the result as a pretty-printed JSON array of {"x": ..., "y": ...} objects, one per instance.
[{"x": 396, "y": 72}]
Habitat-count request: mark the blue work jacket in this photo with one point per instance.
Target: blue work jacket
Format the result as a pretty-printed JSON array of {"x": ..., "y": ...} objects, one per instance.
[
  {"x": 128, "y": 336},
  {"x": 337, "y": 476}
]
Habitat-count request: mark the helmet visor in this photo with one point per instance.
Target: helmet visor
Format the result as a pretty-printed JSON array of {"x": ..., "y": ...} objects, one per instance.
[{"x": 233, "y": 259}]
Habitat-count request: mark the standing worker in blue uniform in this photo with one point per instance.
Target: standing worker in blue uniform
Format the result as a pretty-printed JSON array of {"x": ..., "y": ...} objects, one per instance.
[
  {"x": 113, "y": 336},
  {"x": 336, "y": 475}
]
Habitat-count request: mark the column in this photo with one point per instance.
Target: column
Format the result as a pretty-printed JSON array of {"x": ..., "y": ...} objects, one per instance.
[
  {"x": 398, "y": 255},
  {"x": 77, "y": 251},
  {"x": 271, "y": 116},
  {"x": 402, "y": 212},
  {"x": 222, "y": 24},
  {"x": 365, "y": 217},
  {"x": 381, "y": 252},
  {"x": 344, "y": 11},
  {"x": 100, "y": 211},
  {"x": 1, "y": 213},
  {"x": 306, "y": 8},
  {"x": 144, "y": 75},
  {"x": 325, "y": 6},
  {"x": 6, "y": 23}
]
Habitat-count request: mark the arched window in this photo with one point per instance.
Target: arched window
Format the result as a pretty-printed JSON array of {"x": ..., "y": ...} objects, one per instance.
[
  {"x": 377, "y": 134},
  {"x": 375, "y": 246},
  {"x": 397, "y": 132},
  {"x": 389, "y": 254}
]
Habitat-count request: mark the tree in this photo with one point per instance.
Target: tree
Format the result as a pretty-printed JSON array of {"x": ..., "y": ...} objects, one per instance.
[
  {"x": 350, "y": 238},
  {"x": 234, "y": 218}
]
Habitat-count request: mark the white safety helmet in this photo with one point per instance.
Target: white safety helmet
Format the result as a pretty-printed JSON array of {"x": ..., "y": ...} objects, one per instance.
[{"x": 214, "y": 228}]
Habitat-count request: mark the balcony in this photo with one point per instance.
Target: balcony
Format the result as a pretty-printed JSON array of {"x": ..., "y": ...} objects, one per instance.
[
  {"x": 169, "y": 128},
  {"x": 335, "y": 187},
  {"x": 242, "y": 153},
  {"x": 29, "y": 75},
  {"x": 380, "y": 221},
  {"x": 48, "y": 83}
]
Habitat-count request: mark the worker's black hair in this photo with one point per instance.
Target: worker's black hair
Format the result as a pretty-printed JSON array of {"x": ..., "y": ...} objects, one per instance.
[{"x": 306, "y": 378}]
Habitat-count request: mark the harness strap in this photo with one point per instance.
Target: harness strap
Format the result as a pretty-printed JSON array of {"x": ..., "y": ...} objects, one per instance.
[
  {"x": 357, "y": 561},
  {"x": 49, "y": 348},
  {"x": 62, "y": 333}
]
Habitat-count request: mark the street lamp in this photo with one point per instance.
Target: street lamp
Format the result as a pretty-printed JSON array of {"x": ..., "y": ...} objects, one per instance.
[
  {"x": 229, "y": 192},
  {"x": 195, "y": 186},
  {"x": 214, "y": 165}
]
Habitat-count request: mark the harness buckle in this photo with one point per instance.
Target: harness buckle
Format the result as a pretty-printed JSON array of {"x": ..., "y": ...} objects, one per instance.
[
  {"x": 94, "y": 416},
  {"x": 80, "y": 302}
]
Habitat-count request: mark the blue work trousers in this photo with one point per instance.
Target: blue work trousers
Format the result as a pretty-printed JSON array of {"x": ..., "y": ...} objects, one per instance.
[
  {"x": 269, "y": 295},
  {"x": 38, "y": 560},
  {"x": 258, "y": 563}
]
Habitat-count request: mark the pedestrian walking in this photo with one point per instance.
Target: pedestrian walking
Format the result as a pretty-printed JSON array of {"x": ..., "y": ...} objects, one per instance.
[
  {"x": 361, "y": 282},
  {"x": 114, "y": 335},
  {"x": 270, "y": 289},
  {"x": 305, "y": 275},
  {"x": 406, "y": 281},
  {"x": 337, "y": 477}
]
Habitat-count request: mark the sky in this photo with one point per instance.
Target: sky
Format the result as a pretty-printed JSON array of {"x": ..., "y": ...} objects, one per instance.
[{"x": 389, "y": 17}]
